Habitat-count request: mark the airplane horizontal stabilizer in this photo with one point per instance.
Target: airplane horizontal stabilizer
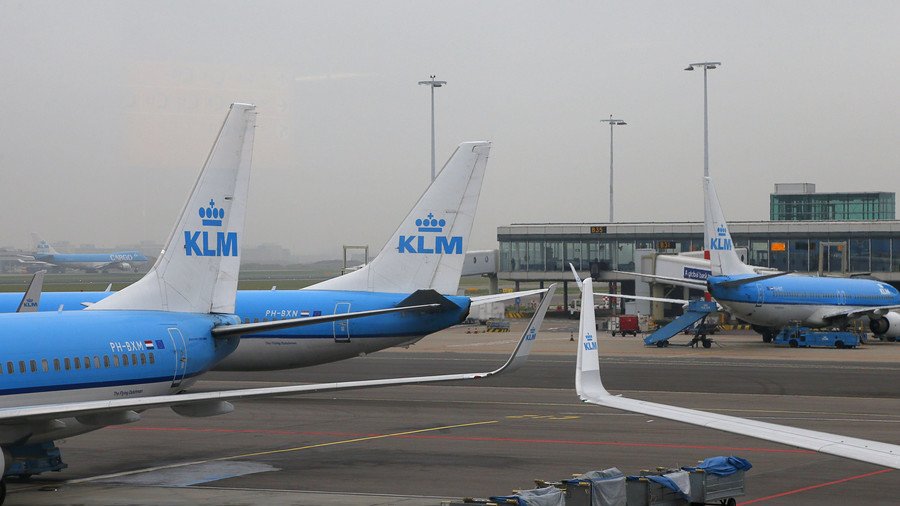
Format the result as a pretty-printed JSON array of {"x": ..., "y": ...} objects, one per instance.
[
  {"x": 211, "y": 402},
  {"x": 590, "y": 389},
  {"x": 430, "y": 297},
  {"x": 744, "y": 281},
  {"x": 690, "y": 283}
]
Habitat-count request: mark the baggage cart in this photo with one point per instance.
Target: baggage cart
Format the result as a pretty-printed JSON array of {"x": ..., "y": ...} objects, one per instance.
[
  {"x": 708, "y": 487},
  {"x": 640, "y": 491}
]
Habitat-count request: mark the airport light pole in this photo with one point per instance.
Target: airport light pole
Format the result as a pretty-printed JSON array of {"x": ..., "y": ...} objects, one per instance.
[
  {"x": 612, "y": 122},
  {"x": 708, "y": 65},
  {"x": 433, "y": 84}
]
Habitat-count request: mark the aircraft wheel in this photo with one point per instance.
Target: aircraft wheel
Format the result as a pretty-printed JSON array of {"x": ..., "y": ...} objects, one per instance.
[
  {"x": 2, "y": 491},
  {"x": 707, "y": 343},
  {"x": 729, "y": 502},
  {"x": 892, "y": 339},
  {"x": 767, "y": 338}
]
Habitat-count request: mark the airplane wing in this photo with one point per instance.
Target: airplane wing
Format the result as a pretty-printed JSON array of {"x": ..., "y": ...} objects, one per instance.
[
  {"x": 590, "y": 389},
  {"x": 498, "y": 297},
  {"x": 206, "y": 403}
]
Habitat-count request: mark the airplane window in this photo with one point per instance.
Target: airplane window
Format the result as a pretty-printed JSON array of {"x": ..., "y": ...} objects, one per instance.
[
  {"x": 256, "y": 320},
  {"x": 22, "y": 366},
  {"x": 124, "y": 360},
  {"x": 115, "y": 361},
  {"x": 77, "y": 363},
  {"x": 97, "y": 362},
  {"x": 106, "y": 361},
  {"x": 133, "y": 359},
  {"x": 45, "y": 366},
  {"x": 67, "y": 363},
  {"x": 152, "y": 360},
  {"x": 143, "y": 359},
  {"x": 246, "y": 320},
  {"x": 9, "y": 368},
  {"x": 87, "y": 362},
  {"x": 33, "y": 366}
]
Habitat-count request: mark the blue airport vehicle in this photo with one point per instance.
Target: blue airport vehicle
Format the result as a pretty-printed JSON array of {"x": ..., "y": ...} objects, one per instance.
[{"x": 805, "y": 337}]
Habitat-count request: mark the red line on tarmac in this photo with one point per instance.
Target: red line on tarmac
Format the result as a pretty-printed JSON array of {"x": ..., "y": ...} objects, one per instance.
[
  {"x": 469, "y": 438},
  {"x": 813, "y": 487}
]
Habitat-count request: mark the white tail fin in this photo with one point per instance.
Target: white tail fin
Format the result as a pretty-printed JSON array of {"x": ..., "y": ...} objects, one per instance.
[
  {"x": 198, "y": 269},
  {"x": 42, "y": 247},
  {"x": 722, "y": 257},
  {"x": 32, "y": 298},
  {"x": 428, "y": 249}
]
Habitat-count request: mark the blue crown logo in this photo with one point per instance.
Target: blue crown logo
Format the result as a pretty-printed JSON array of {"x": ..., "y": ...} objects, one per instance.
[
  {"x": 429, "y": 224},
  {"x": 212, "y": 216},
  {"x": 721, "y": 230}
]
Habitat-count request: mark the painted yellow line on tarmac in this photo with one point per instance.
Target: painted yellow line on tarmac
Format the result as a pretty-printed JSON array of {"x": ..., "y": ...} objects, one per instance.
[{"x": 358, "y": 440}]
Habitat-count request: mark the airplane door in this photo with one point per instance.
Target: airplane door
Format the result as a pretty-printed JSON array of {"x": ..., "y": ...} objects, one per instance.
[
  {"x": 760, "y": 294},
  {"x": 180, "y": 350},
  {"x": 842, "y": 298},
  {"x": 342, "y": 327}
]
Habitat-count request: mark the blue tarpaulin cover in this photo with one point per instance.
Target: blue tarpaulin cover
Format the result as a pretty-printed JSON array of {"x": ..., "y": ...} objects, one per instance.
[
  {"x": 666, "y": 480},
  {"x": 722, "y": 466}
]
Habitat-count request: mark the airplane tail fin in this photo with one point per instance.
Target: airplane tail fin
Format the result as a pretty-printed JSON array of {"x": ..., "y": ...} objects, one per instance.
[
  {"x": 722, "y": 257},
  {"x": 198, "y": 269},
  {"x": 428, "y": 249},
  {"x": 41, "y": 246}
]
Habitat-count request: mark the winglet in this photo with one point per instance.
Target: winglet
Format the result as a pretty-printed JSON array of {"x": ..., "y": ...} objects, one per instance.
[
  {"x": 587, "y": 371},
  {"x": 198, "y": 269},
  {"x": 526, "y": 342},
  {"x": 575, "y": 273},
  {"x": 32, "y": 297}
]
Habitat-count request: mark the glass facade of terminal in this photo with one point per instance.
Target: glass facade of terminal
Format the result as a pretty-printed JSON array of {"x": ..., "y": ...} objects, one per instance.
[
  {"x": 861, "y": 254},
  {"x": 875, "y": 206}
]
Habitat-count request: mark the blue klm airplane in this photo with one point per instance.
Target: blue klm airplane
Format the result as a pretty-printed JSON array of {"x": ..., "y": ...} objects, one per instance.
[
  {"x": 421, "y": 263},
  {"x": 46, "y": 257},
  {"x": 64, "y": 373},
  {"x": 771, "y": 301}
]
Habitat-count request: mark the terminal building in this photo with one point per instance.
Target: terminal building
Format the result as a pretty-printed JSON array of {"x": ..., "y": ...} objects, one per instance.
[{"x": 859, "y": 237}]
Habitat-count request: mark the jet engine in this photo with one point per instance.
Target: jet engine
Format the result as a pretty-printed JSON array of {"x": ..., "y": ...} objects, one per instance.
[{"x": 885, "y": 327}]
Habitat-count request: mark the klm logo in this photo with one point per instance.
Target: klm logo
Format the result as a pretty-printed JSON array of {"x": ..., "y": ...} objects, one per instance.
[
  {"x": 532, "y": 334},
  {"x": 207, "y": 243},
  {"x": 721, "y": 242},
  {"x": 589, "y": 343},
  {"x": 430, "y": 242},
  {"x": 29, "y": 303}
]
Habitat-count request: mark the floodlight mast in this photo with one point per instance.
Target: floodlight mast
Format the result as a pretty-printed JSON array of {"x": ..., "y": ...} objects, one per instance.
[
  {"x": 709, "y": 65},
  {"x": 612, "y": 122},
  {"x": 433, "y": 84}
]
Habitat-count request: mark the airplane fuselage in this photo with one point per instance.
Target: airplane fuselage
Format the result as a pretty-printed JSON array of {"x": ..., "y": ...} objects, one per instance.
[
  {"x": 301, "y": 346},
  {"x": 71, "y": 356},
  {"x": 91, "y": 261},
  {"x": 805, "y": 300}
]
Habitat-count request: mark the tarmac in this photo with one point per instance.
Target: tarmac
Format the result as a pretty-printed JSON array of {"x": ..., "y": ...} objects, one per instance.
[{"x": 426, "y": 444}]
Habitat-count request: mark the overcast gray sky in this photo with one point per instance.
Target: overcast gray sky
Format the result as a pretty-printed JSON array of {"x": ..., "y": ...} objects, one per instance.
[{"x": 109, "y": 109}]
